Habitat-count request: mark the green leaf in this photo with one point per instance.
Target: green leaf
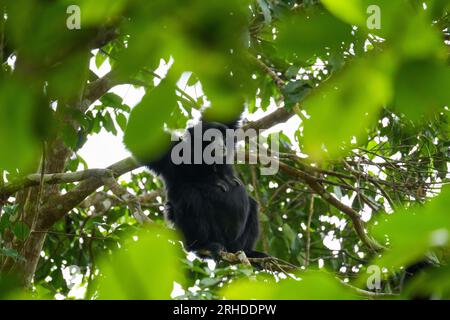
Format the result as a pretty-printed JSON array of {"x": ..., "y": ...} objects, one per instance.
[
  {"x": 73, "y": 68},
  {"x": 433, "y": 283},
  {"x": 303, "y": 37},
  {"x": 193, "y": 79},
  {"x": 100, "y": 58},
  {"x": 418, "y": 88},
  {"x": 345, "y": 106},
  {"x": 145, "y": 136},
  {"x": 121, "y": 121},
  {"x": 356, "y": 204},
  {"x": 70, "y": 136},
  {"x": 21, "y": 230},
  {"x": 295, "y": 92},
  {"x": 111, "y": 100},
  {"x": 108, "y": 123},
  {"x": 96, "y": 124},
  {"x": 96, "y": 13},
  {"x": 430, "y": 225},
  {"x": 18, "y": 142},
  {"x": 8, "y": 215},
  {"x": 313, "y": 285},
  {"x": 208, "y": 282},
  {"x": 350, "y": 11},
  {"x": 9, "y": 252},
  {"x": 4, "y": 222},
  {"x": 143, "y": 269},
  {"x": 291, "y": 72},
  {"x": 430, "y": 46},
  {"x": 289, "y": 235}
]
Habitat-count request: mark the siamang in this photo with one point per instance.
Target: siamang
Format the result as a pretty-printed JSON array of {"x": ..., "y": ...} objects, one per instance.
[{"x": 207, "y": 202}]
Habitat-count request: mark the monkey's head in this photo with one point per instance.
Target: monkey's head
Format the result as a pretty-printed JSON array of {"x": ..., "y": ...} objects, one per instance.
[
  {"x": 203, "y": 151},
  {"x": 211, "y": 142}
]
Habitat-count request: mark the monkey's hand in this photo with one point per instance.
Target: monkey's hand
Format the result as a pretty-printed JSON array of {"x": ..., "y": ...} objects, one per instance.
[
  {"x": 233, "y": 181},
  {"x": 226, "y": 183},
  {"x": 237, "y": 181},
  {"x": 223, "y": 185}
]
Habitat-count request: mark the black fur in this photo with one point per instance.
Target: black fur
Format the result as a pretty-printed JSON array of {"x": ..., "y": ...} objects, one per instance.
[{"x": 208, "y": 204}]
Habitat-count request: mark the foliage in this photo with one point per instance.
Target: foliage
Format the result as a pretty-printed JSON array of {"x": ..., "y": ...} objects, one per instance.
[{"x": 371, "y": 129}]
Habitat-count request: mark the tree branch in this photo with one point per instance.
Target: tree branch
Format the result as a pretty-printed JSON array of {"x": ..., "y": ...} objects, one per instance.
[
  {"x": 51, "y": 178},
  {"x": 56, "y": 207},
  {"x": 314, "y": 185},
  {"x": 280, "y": 115},
  {"x": 102, "y": 201},
  {"x": 266, "y": 69},
  {"x": 97, "y": 88},
  {"x": 131, "y": 200},
  {"x": 59, "y": 205}
]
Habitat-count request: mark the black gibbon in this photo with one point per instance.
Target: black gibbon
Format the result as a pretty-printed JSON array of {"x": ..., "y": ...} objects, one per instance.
[{"x": 206, "y": 202}]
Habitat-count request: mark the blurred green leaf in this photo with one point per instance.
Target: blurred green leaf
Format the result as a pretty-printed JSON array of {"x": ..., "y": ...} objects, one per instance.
[
  {"x": 313, "y": 285},
  {"x": 70, "y": 136},
  {"x": 10, "y": 289},
  {"x": 145, "y": 136},
  {"x": 18, "y": 140},
  {"x": 301, "y": 36},
  {"x": 418, "y": 26},
  {"x": 143, "y": 269},
  {"x": 418, "y": 88},
  {"x": 350, "y": 11},
  {"x": 345, "y": 106},
  {"x": 412, "y": 232},
  {"x": 74, "y": 68},
  {"x": 434, "y": 283},
  {"x": 347, "y": 92},
  {"x": 21, "y": 230},
  {"x": 294, "y": 92},
  {"x": 99, "y": 11}
]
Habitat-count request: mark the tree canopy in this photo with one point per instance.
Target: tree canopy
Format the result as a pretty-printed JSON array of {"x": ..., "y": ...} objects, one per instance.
[{"x": 354, "y": 93}]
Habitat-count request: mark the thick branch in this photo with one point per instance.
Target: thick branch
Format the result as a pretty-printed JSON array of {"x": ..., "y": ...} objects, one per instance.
[
  {"x": 51, "y": 178},
  {"x": 280, "y": 115},
  {"x": 59, "y": 205},
  {"x": 97, "y": 88}
]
